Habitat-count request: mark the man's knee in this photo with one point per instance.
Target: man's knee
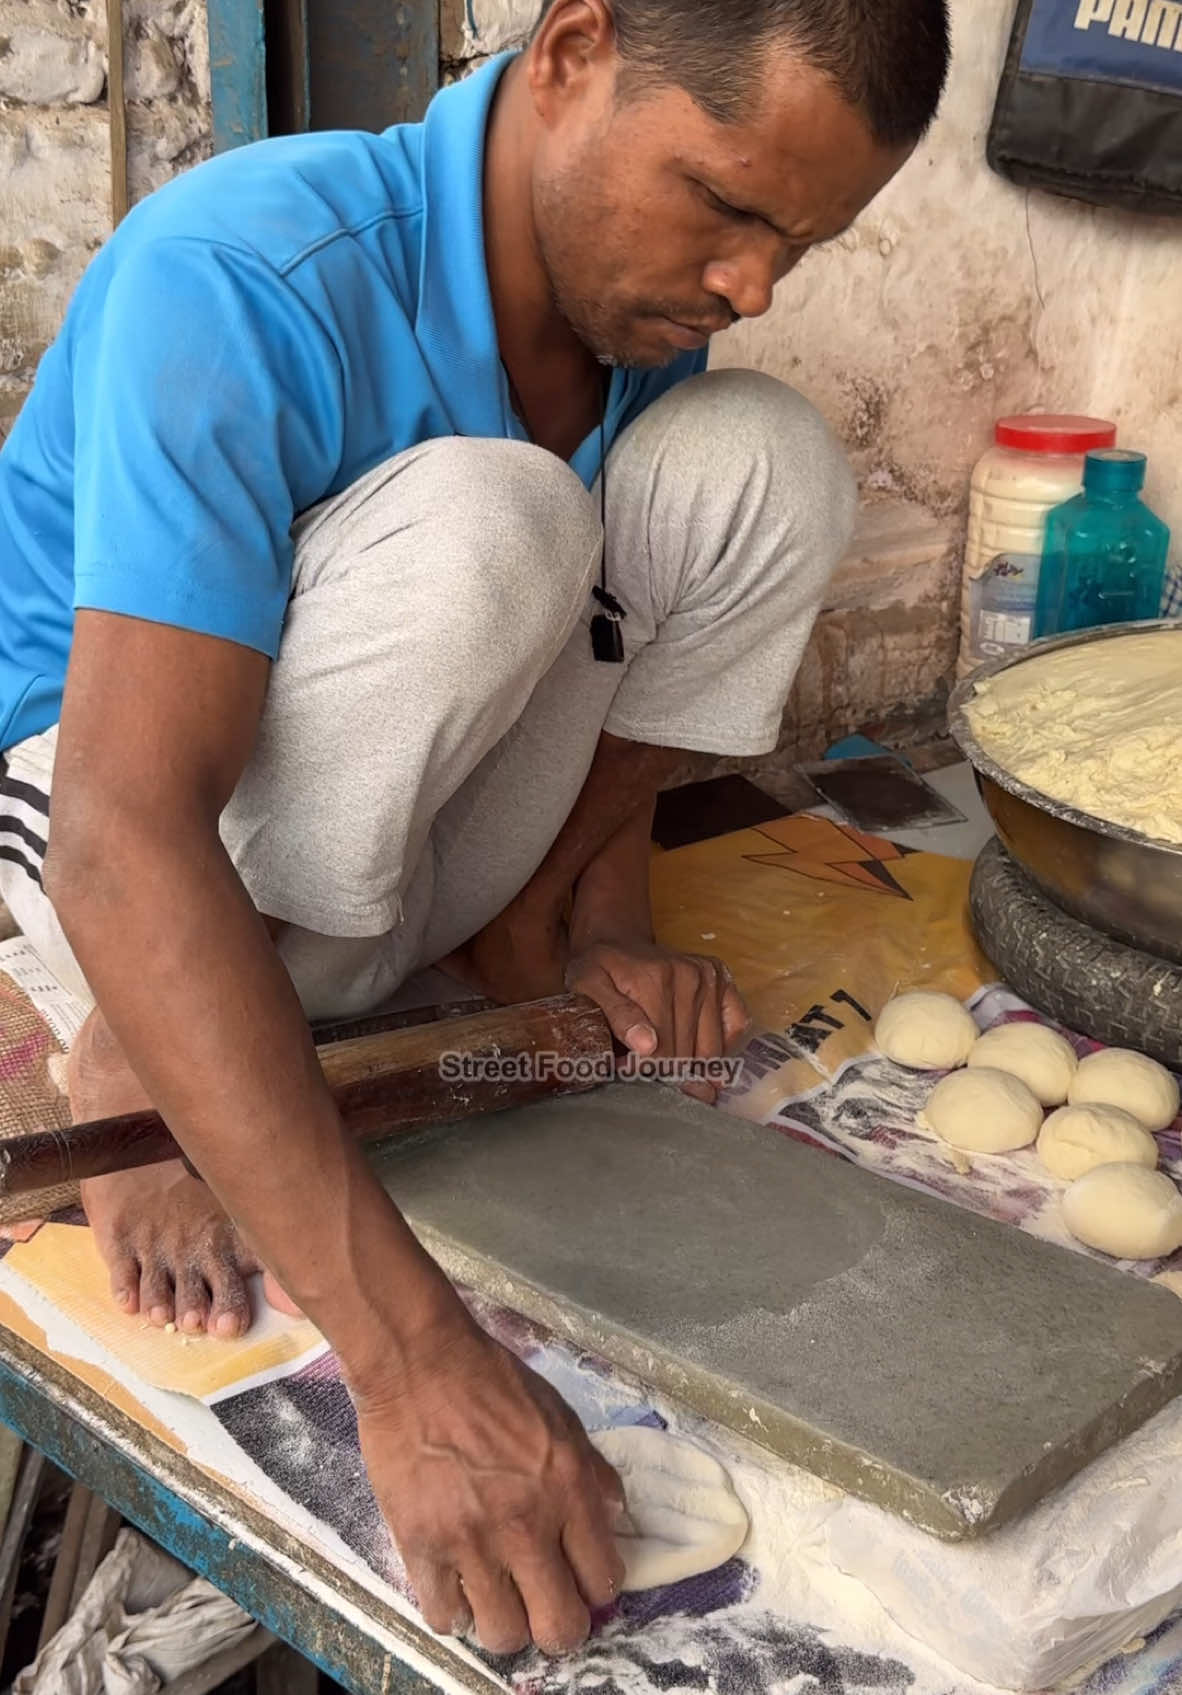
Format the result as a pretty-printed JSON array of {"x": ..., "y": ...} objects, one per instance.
[
  {"x": 525, "y": 533},
  {"x": 99, "y": 1076},
  {"x": 745, "y": 436},
  {"x": 497, "y": 541},
  {"x": 432, "y": 598}
]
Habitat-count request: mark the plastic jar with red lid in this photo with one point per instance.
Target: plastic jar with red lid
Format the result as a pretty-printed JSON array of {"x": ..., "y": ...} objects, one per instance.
[{"x": 1035, "y": 464}]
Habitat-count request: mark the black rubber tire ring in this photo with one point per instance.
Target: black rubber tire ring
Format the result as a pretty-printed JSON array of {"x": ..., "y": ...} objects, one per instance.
[{"x": 1076, "y": 975}]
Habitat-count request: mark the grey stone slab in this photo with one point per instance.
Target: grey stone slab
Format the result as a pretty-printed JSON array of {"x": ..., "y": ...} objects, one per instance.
[{"x": 948, "y": 1368}]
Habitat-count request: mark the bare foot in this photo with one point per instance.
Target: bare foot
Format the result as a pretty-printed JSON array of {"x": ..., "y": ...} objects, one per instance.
[{"x": 172, "y": 1253}]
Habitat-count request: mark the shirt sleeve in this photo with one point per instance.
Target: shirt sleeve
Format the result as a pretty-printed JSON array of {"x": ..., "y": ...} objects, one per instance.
[{"x": 208, "y": 412}]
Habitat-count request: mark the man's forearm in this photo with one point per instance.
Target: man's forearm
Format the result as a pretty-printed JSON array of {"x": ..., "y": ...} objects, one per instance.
[
  {"x": 624, "y": 777},
  {"x": 194, "y": 991}
]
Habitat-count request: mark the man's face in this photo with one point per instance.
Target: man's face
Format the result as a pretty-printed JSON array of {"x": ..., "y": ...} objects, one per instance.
[{"x": 658, "y": 226}]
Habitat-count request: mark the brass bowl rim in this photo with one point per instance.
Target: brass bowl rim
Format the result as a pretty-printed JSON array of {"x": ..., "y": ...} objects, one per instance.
[{"x": 962, "y": 734}]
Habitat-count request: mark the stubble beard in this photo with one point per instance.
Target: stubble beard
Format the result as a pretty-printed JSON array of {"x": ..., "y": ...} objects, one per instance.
[
  {"x": 608, "y": 332},
  {"x": 604, "y": 334}
]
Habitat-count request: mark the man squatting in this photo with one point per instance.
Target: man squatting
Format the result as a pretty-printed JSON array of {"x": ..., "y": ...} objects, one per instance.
[{"x": 300, "y": 545}]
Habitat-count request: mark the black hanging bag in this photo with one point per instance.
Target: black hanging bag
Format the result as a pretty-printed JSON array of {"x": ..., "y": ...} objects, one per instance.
[{"x": 1091, "y": 102}]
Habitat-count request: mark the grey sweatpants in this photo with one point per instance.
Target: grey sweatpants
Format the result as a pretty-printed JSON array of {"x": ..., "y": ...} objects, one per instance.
[{"x": 435, "y": 706}]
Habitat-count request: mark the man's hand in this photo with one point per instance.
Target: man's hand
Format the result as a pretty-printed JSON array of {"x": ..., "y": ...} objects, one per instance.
[
  {"x": 661, "y": 1003},
  {"x": 501, "y": 1509}
]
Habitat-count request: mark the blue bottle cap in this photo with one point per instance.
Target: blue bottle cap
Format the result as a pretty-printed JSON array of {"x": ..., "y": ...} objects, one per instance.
[{"x": 1114, "y": 470}]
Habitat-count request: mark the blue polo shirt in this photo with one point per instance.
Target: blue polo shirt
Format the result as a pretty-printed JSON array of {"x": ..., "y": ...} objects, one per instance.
[{"x": 255, "y": 337}]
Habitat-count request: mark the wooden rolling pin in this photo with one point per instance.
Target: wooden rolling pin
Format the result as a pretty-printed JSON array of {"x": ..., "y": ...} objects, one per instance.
[{"x": 384, "y": 1084}]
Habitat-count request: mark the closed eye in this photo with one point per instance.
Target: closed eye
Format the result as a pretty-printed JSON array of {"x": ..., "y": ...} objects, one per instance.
[
  {"x": 724, "y": 207},
  {"x": 738, "y": 215}
]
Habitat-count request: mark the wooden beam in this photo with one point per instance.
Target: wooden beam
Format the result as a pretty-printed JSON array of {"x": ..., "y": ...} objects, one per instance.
[
  {"x": 20, "y": 1514},
  {"x": 97, "y": 1540},
  {"x": 59, "y": 1601},
  {"x": 117, "y": 113}
]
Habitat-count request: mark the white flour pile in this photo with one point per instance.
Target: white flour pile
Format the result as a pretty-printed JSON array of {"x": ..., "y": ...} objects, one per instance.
[
  {"x": 1096, "y": 1566},
  {"x": 1098, "y": 727}
]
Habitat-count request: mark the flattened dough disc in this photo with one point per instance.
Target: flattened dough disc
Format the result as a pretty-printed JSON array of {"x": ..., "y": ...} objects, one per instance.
[{"x": 684, "y": 1517}]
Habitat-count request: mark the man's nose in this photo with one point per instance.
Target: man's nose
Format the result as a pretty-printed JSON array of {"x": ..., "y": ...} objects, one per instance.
[
  {"x": 746, "y": 284},
  {"x": 748, "y": 281}
]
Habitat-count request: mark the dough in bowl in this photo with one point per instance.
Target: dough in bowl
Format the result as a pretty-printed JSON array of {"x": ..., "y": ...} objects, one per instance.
[
  {"x": 982, "y": 1111},
  {"x": 684, "y": 1517},
  {"x": 1120, "y": 1077},
  {"x": 1126, "y": 1211},
  {"x": 926, "y": 1031},
  {"x": 1076, "y": 1139},
  {"x": 1044, "y": 1060}
]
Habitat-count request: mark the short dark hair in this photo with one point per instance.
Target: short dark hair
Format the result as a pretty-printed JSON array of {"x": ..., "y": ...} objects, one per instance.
[{"x": 887, "y": 58}]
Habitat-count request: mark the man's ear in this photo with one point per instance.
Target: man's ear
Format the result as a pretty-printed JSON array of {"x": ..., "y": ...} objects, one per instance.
[{"x": 574, "y": 40}]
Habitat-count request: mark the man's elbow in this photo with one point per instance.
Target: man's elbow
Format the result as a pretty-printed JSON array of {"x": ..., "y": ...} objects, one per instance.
[
  {"x": 96, "y": 858},
  {"x": 76, "y": 869}
]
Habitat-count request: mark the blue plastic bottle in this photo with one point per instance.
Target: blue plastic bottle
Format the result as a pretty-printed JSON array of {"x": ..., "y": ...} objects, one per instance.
[{"x": 1104, "y": 561}]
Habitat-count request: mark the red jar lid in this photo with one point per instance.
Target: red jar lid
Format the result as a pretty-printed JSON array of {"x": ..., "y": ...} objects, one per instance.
[{"x": 1053, "y": 432}]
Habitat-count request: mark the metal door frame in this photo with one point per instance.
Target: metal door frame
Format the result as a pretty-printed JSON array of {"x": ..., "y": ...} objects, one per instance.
[
  {"x": 394, "y": 72},
  {"x": 238, "y": 72}
]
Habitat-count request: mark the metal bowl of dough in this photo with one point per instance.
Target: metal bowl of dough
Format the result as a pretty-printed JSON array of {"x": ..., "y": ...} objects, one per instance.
[{"x": 1119, "y": 881}]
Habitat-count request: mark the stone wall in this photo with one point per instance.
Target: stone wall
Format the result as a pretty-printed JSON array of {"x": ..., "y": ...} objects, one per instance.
[
  {"x": 55, "y": 156},
  {"x": 955, "y": 299}
]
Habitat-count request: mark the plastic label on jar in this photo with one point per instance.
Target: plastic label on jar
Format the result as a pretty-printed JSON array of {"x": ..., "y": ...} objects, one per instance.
[
  {"x": 1002, "y": 602},
  {"x": 1002, "y": 629}
]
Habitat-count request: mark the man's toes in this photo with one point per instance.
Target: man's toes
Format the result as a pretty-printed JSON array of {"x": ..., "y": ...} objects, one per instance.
[
  {"x": 125, "y": 1282},
  {"x": 156, "y": 1293},
  {"x": 229, "y": 1309},
  {"x": 192, "y": 1300},
  {"x": 275, "y": 1297}
]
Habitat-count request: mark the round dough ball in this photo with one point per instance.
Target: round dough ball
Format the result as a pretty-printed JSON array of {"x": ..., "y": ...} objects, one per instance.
[
  {"x": 985, "y": 1112},
  {"x": 925, "y": 1031},
  {"x": 1126, "y": 1211},
  {"x": 1044, "y": 1060},
  {"x": 1119, "y": 1077},
  {"x": 1076, "y": 1139},
  {"x": 683, "y": 1516}
]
